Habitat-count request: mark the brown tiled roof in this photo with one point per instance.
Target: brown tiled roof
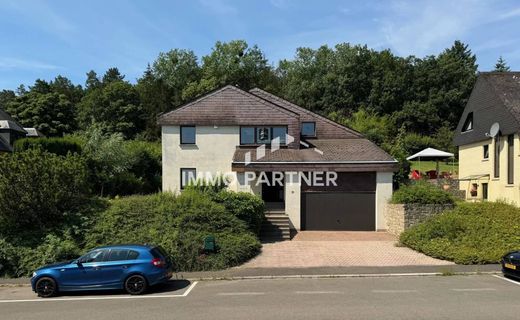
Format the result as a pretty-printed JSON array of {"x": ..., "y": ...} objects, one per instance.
[
  {"x": 226, "y": 106},
  {"x": 326, "y": 128},
  {"x": 495, "y": 98},
  {"x": 326, "y": 150}
]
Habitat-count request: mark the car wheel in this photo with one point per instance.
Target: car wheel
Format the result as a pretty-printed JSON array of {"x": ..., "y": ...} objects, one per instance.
[
  {"x": 136, "y": 284},
  {"x": 46, "y": 287}
]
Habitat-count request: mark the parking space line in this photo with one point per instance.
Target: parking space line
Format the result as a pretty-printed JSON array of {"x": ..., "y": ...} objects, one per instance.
[
  {"x": 474, "y": 289},
  {"x": 394, "y": 291},
  {"x": 318, "y": 292},
  {"x": 106, "y": 297},
  {"x": 506, "y": 279},
  {"x": 240, "y": 293},
  {"x": 187, "y": 292}
]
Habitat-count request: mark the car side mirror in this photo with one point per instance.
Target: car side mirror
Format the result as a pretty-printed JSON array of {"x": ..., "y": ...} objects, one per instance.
[{"x": 78, "y": 262}]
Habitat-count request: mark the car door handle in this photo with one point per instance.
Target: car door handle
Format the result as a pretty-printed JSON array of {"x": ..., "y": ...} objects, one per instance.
[
  {"x": 96, "y": 268},
  {"x": 125, "y": 267}
]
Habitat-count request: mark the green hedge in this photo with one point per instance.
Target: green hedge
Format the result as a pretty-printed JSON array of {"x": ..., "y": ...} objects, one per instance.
[
  {"x": 59, "y": 146},
  {"x": 179, "y": 224},
  {"x": 245, "y": 206},
  {"x": 472, "y": 233},
  {"x": 422, "y": 192}
]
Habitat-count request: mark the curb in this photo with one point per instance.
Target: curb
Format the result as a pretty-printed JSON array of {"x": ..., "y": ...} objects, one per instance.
[
  {"x": 354, "y": 275},
  {"x": 316, "y": 276}
]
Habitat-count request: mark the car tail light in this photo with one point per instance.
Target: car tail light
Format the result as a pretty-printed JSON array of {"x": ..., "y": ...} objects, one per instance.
[{"x": 158, "y": 263}]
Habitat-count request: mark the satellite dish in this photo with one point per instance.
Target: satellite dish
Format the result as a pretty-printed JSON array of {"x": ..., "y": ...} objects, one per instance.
[{"x": 493, "y": 131}]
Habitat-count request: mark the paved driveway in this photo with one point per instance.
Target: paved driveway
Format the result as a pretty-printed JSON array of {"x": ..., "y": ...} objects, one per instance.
[{"x": 339, "y": 249}]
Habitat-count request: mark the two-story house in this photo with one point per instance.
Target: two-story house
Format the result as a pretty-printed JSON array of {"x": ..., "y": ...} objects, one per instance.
[
  {"x": 488, "y": 140},
  {"x": 282, "y": 152}
]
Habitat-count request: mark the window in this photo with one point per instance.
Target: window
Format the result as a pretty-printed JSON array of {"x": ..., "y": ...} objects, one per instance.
[
  {"x": 188, "y": 175},
  {"x": 247, "y": 135},
  {"x": 309, "y": 129},
  {"x": 510, "y": 159},
  {"x": 263, "y": 135},
  {"x": 117, "y": 255},
  {"x": 497, "y": 156},
  {"x": 280, "y": 132},
  {"x": 468, "y": 124},
  {"x": 474, "y": 190},
  {"x": 187, "y": 134},
  {"x": 486, "y": 151},
  {"x": 132, "y": 255},
  {"x": 93, "y": 256},
  {"x": 484, "y": 191}
]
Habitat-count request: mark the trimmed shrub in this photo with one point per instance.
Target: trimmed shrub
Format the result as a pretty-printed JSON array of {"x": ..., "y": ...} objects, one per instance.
[
  {"x": 179, "y": 224},
  {"x": 59, "y": 146},
  {"x": 421, "y": 192},
  {"x": 245, "y": 206},
  {"x": 38, "y": 189},
  {"x": 472, "y": 233}
]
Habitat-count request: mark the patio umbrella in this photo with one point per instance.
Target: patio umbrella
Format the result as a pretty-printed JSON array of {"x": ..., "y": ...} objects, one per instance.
[{"x": 432, "y": 154}]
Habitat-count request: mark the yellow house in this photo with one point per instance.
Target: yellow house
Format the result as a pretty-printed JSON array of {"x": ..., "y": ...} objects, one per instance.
[{"x": 488, "y": 139}]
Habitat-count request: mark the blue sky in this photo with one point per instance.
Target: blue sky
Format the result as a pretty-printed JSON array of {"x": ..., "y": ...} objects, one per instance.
[{"x": 40, "y": 39}]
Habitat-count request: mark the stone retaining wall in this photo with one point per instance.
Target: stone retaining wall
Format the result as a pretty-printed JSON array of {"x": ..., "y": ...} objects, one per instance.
[{"x": 400, "y": 217}]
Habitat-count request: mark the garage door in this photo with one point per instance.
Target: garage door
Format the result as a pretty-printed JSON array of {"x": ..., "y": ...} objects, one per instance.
[
  {"x": 351, "y": 205},
  {"x": 339, "y": 211}
]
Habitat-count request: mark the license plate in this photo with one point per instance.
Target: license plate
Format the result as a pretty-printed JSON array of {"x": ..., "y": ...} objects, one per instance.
[{"x": 510, "y": 266}]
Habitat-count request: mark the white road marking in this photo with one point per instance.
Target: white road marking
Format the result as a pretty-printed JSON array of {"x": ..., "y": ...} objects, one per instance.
[
  {"x": 318, "y": 292},
  {"x": 187, "y": 292},
  {"x": 394, "y": 291},
  {"x": 506, "y": 279},
  {"x": 240, "y": 293},
  {"x": 475, "y": 289},
  {"x": 106, "y": 297}
]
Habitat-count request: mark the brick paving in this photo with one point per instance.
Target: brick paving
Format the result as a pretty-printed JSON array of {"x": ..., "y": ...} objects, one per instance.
[{"x": 339, "y": 249}]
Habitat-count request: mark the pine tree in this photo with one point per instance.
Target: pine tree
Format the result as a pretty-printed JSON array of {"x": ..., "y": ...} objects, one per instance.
[{"x": 501, "y": 65}]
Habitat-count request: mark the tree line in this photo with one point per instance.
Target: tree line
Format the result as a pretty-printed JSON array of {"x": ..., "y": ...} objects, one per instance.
[{"x": 385, "y": 96}]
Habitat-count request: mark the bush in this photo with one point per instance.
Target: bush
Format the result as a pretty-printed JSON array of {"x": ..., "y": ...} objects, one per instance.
[
  {"x": 18, "y": 261},
  {"x": 38, "y": 189},
  {"x": 59, "y": 146},
  {"x": 423, "y": 193},
  {"x": 179, "y": 224},
  {"x": 472, "y": 233},
  {"x": 245, "y": 206}
]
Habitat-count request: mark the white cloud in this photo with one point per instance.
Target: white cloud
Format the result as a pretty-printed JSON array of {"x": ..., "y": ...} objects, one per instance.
[
  {"x": 418, "y": 29},
  {"x": 15, "y": 63}
]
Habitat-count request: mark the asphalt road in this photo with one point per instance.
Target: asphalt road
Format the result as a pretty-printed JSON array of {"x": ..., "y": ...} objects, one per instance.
[{"x": 410, "y": 297}]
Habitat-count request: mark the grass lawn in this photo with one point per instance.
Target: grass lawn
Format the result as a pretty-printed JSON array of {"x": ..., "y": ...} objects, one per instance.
[{"x": 424, "y": 166}]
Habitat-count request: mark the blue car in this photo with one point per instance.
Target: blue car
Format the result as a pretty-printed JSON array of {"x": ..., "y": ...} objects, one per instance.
[{"x": 133, "y": 268}]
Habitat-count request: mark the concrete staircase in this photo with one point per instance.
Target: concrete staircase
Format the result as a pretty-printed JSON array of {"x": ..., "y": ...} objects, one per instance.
[{"x": 275, "y": 226}]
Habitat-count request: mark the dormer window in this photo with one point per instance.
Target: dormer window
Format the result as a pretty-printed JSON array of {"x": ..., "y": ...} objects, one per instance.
[
  {"x": 468, "y": 124},
  {"x": 308, "y": 129}
]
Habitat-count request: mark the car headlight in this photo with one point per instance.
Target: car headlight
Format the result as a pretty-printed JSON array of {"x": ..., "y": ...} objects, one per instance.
[{"x": 34, "y": 274}]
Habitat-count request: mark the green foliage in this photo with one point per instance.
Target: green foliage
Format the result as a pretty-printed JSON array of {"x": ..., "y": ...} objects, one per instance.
[
  {"x": 232, "y": 63},
  {"x": 378, "y": 129},
  {"x": 38, "y": 189},
  {"x": 51, "y": 113},
  {"x": 472, "y": 233},
  {"x": 60, "y": 146},
  {"x": 18, "y": 261},
  {"x": 421, "y": 192},
  {"x": 179, "y": 224},
  {"x": 245, "y": 206},
  {"x": 114, "y": 106},
  {"x": 501, "y": 65}
]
